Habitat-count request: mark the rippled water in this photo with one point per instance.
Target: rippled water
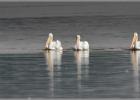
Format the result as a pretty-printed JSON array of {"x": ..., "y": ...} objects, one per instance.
[
  {"x": 108, "y": 70},
  {"x": 50, "y": 74}
]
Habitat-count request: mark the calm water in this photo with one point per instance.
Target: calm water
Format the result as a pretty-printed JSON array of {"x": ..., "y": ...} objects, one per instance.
[
  {"x": 94, "y": 74},
  {"x": 107, "y": 71}
]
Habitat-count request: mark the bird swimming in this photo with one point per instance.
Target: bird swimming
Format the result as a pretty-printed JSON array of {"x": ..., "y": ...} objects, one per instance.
[
  {"x": 51, "y": 44},
  {"x": 80, "y": 45},
  {"x": 135, "y": 44}
]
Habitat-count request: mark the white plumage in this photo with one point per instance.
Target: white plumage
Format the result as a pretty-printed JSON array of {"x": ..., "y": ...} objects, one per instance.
[
  {"x": 53, "y": 45},
  {"x": 137, "y": 45},
  {"x": 81, "y": 45}
]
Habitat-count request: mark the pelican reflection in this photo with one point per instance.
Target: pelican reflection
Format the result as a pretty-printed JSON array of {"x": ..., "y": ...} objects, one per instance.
[
  {"x": 53, "y": 60},
  {"x": 135, "y": 56},
  {"x": 82, "y": 61}
]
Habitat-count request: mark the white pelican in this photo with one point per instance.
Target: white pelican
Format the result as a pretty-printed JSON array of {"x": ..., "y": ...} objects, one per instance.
[
  {"x": 81, "y": 45},
  {"x": 135, "y": 44},
  {"x": 53, "y": 45}
]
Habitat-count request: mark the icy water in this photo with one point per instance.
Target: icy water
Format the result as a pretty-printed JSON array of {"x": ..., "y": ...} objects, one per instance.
[{"x": 108, "y": 70}]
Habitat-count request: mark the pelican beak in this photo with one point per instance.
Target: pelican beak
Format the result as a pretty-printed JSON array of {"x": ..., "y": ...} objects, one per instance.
[{"x": 49, "y": 40}]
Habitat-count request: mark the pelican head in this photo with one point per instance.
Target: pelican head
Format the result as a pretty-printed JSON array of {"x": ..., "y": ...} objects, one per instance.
[
  {"x": 78, "y": 37},
  {"x": 50, "y": 35},
  {"x": 135, "y": 34},
  {"x": 49, "y": 40}
]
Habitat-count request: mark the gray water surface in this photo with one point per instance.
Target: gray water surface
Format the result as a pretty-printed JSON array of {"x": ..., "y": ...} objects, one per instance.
[
  {"x": 108, "y": 70},
  {"x": 94, "y": 74}
]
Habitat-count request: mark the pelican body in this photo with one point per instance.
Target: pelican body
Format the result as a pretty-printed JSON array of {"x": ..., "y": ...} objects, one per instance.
[
  {"x": 53, "y": 45},
  {"x": 81, "y": 45},
  {"x": 135, "y": 44}
]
